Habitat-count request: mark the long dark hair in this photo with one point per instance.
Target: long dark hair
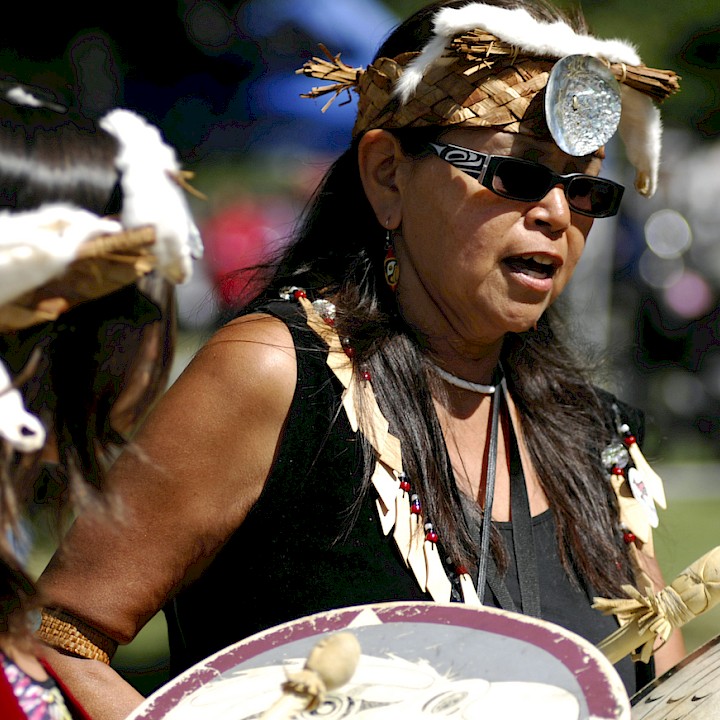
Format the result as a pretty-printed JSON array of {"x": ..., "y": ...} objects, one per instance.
[{"x": 339, "y": 254}]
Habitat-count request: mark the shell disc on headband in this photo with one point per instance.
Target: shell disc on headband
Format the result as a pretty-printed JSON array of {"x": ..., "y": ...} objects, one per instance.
[{"x": 582, "y": 104}]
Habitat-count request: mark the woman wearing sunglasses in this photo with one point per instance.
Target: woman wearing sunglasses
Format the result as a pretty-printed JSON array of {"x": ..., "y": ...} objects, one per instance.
[{"x": 400, "y": 379}]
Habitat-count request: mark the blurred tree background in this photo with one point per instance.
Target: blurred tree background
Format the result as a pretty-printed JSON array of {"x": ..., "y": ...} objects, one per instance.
[{"x": 217, "y": 77}]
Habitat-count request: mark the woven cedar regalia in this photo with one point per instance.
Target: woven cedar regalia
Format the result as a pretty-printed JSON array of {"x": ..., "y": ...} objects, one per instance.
[
  {"x": 488, "y": 67},
  {"x": 101, "y": 265},
  {"x": 494, "y": 67}
]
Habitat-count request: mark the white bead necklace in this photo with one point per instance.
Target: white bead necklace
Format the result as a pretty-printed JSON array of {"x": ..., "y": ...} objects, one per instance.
[{"x": 464, "y": 384}]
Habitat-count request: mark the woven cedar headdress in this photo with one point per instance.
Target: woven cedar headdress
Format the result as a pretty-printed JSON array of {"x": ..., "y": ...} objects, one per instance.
[{"x": 488, "y": 66}]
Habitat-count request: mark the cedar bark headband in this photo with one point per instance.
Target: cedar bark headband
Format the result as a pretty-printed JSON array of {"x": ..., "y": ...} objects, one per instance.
[{"x": 487, "y": 66}]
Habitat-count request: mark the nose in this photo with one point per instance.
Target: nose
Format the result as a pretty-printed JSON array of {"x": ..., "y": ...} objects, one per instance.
[{"x": 552, "y": 213}]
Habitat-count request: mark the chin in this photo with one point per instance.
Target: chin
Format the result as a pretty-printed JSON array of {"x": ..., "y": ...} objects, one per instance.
[
  {"x": 522, "y": 317},
  {"x": 521, "y": 325}
]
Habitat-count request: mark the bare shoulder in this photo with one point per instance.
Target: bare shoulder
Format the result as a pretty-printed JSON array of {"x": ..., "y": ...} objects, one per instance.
[
  {"x": 231, "y": 402},
  {"x": 255, "y": 352},
  {"x": 246, "y": 371},
  {"x": 257, "y": 332}
]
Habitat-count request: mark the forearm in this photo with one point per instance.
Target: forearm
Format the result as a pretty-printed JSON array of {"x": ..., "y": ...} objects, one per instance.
[
  {"x": 100, "y": 690},
  {"x": 670, "y": 654}
]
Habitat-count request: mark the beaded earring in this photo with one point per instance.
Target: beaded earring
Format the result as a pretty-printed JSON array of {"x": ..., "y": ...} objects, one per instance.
[{"x": 391, "y": 265}]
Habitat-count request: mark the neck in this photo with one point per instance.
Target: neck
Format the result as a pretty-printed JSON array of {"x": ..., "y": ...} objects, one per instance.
[
  {"x": 468, "y": 348},
  {"x": 476, "y": 365}
]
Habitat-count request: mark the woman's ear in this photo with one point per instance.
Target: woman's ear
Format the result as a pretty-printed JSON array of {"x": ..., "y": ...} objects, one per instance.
[{"x": 379, "y": 158}]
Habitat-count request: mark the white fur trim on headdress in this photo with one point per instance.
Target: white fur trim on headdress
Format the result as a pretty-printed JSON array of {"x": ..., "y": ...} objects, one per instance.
[
  {"x": 20, "y": 428},
  {"x": 516, "y": 27},
  {"x": 640, "y": 126},
  {"x": 150, "y": 194},
  {"x": 38, "y": 245},
  {"x": 641, "y": 132}
]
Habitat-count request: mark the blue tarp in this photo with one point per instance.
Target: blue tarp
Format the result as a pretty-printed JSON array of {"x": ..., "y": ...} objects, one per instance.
[{"x": 288, "y": 33}]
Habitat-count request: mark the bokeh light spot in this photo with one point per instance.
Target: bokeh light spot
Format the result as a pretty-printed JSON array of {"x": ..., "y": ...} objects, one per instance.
[
  {"x": 668, "y": 234},
  {"x": 660, "y": 272},
  {"x": 691, "y": 296}
]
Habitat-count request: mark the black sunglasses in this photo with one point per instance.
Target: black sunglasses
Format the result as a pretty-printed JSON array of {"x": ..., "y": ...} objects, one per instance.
[{"x": 528, "y": 181}]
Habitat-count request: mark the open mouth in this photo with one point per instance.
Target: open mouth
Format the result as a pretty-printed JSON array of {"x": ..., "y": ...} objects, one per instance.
[{"x": 536, "y": 266}]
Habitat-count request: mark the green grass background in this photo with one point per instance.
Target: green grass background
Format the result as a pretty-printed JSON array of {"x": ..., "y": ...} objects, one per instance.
[{"x": 689, "y": 529}]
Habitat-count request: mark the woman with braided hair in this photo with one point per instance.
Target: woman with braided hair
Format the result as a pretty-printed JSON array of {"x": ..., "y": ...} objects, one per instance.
[{"x": 397, "y": 417}]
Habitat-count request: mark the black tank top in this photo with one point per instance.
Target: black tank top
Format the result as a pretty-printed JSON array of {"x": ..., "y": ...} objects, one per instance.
[
  {"x": 561, "y": 601},
  {"x": 297, "y": 554}
]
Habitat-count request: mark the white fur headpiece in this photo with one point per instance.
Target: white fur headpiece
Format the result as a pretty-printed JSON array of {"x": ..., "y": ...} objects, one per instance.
[
  {"x": 516, "y": 27},
  {"x": 38, "y": 245},
  {"x": 640, "y": 125},
  {"x": 18, "y": 427},
  {"x": 483, "y": 67}
]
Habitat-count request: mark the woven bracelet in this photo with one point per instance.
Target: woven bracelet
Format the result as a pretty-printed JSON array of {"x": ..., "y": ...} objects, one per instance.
[{"x": 66, "y": 632}]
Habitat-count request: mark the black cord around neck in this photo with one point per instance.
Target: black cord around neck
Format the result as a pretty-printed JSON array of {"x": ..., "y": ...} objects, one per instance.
[{"x": 523, "y": 540}]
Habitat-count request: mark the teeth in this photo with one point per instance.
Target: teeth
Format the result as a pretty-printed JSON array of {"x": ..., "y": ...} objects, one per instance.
[{"x": 540, "y": 259}]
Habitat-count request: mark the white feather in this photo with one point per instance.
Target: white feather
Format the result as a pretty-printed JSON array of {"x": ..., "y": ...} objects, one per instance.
[
  {"x": 516, "y": 27},
  {"x": 37, "y": 245},
  {"x": 20, "y": 428},
  {"x": 150, "y": 196}
]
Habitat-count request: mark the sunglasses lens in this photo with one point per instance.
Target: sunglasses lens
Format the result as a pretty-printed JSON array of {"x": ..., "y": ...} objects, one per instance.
[
  {"x": 592, "y": 196},
  {"x": 520, "y": 180},
  {"x": 527, "y": 181}
]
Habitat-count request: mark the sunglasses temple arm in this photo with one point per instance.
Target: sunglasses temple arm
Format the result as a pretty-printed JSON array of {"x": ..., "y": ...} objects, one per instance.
[
  {"x": 483, "y": 170},
  {"x": 478, "y": 173}
]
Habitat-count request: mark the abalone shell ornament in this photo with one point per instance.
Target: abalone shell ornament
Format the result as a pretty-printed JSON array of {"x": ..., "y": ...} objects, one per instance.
[{"x": 582, "y": 104}]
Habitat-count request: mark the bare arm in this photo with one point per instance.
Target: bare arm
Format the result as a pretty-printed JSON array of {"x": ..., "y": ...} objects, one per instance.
[
  {"x": 193, "y": 473},
  {"x": 103, "y": 694}
]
